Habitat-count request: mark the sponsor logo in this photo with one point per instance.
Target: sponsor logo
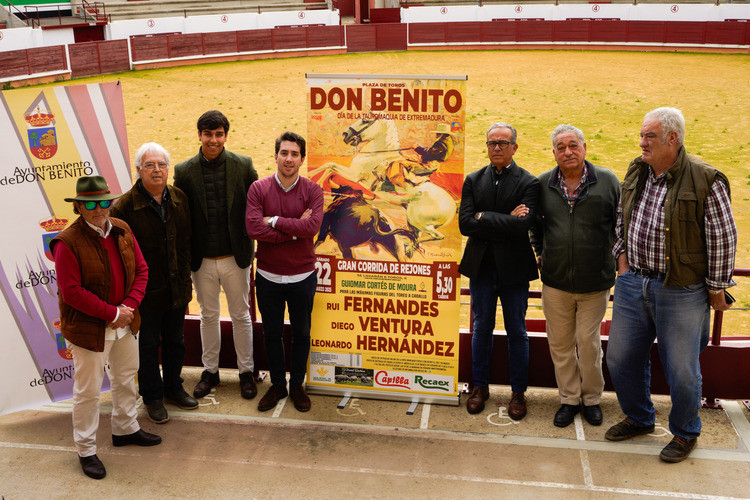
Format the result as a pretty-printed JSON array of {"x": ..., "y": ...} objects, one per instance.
[
  {"x": 433, "y": 382},
  {"x": 384, "y": 379},
  {"x": 53, "y": 225},
  {"x": 41, "y": 133},
  {"x": 353, "y": 376},
  {"x": 62, "y": 347},
  {"x": 321, "y": 374}
]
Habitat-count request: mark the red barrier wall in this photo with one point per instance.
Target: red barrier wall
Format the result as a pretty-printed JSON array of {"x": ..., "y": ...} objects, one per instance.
[
  {"x": 361, "y": 38},
  {"x": 29, "y": 61},
  {"x": 252, "y": 40},
  {"x": 368, "y": 38},
  {"x": 148, "y": 48},
  {"x": 96, "y": 58},
  {"x": 390, "y": 37}
]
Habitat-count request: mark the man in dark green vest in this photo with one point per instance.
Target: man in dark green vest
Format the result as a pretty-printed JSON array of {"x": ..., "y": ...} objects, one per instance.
[{"x": 675, "y": 242}]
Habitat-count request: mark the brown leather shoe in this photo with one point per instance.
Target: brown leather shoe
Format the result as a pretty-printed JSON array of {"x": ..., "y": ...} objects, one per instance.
[
  {"x": 272, "y": 396},
  {"x": 248, "y": 389},
  {"x": 626, "y": 430},
  {"x": 299, "y": 397},
  {"x": 517, "y": 406},
  {"x": 678, "y": 449},
  {"x": 208, "y": 381},
  {"x": 475, "y": 403}
]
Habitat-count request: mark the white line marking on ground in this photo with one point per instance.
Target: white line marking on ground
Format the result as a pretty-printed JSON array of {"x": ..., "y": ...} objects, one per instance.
[
  {"x": 410, "y": 474},
  {"x": 588, "y": 477},
  {"x": 425, "y": 416},
  {"x": 29, "y": 446},
  {"x": 279, "y": 407},
  {"x": 740, "y": 423},
  {"x": 580, "y": 436},
  {"x": 465, "y": 436}
]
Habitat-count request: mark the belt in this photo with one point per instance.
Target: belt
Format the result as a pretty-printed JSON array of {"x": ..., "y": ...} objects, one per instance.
[{"x": 647, "y": 273}]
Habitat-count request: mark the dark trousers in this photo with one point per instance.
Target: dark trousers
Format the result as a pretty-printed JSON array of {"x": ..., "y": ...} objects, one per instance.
[
  {"x": 485, "y": 290},
  {"x": 161, "y": 329},
  {"x": 273, "y": 298}
]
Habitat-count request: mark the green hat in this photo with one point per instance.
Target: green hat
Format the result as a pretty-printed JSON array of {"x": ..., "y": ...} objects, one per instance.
[{"x": 92, "y": 188}]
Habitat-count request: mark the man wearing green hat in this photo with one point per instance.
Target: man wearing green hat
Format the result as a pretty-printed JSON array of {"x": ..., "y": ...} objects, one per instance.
[{"x": 101, "y": 279}]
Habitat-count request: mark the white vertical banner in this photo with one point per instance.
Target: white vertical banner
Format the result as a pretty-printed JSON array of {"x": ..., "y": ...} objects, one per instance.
[{"x": 51, "y": 137}]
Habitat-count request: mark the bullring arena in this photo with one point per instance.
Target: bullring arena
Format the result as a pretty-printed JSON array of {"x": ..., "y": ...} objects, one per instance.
[{"x": 536, "y": 67}]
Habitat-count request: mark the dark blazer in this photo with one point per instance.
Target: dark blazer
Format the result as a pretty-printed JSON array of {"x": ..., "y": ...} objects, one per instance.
[
  {"x": 507, "y": 236},
  {"x": 165, "y": 246},
  {"x": 239, "y": 174}
]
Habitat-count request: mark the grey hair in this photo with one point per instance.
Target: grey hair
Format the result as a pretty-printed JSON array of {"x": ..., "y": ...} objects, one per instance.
[
  {"x": 149, "y": 147},
  {"x": 671, "y": 120},
  {"x": 564, "y": 127},
  {"x": 513, "y": 133}
]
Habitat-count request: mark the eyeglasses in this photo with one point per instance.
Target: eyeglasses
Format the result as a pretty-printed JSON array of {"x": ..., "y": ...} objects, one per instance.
[
  {"x": 91, "y": 205},
  {"x": 500, "y": 144},
  {"x": 582, "y": 195},
  {"x": 149, "y": 165}
]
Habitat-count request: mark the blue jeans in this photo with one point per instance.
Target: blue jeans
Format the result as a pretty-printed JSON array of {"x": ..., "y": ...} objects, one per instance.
[
  {"x": 485, "y": 290},
  {"x": 273, "y": 298},
  {"x": 678, "y": 318}
]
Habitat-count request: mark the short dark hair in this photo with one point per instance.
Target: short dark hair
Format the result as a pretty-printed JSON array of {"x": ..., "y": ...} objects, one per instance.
[
  {"x": 291, "y": 137},
  {"x": 211, "y": 120}
]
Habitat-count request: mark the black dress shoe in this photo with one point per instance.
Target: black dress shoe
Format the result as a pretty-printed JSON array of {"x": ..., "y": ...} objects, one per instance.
[
  {"x": 139, "y": 437},
  {"x": 92, "y": 467},
  {"x": 208, "y": 381},
  {"x": 181, "y": 399},
  {"x": 566, "y": 414},
  {"x": 593, "y": 414},
  {"x": 156, "y": 412},
  {"x": 248, "y": 389}
]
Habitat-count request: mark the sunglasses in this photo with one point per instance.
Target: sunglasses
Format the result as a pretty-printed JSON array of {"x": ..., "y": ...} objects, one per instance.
[{"x": 90, "y": 205}]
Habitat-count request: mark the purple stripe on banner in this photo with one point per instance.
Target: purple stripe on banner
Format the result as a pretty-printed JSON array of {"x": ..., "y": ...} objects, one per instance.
[{"x": 38, "y": 332}]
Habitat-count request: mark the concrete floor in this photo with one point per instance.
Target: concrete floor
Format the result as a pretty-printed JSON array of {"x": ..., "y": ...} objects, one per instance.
[{"x": 373, "y": 449}]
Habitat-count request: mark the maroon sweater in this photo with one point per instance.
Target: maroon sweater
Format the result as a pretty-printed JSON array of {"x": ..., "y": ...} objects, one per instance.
[{"x": 286, "y": 249}]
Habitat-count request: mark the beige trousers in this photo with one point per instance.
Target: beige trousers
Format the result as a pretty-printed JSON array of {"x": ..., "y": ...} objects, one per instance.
[
  {"x": 574, "y": 335},
  {"x": 120, "y": 359}
]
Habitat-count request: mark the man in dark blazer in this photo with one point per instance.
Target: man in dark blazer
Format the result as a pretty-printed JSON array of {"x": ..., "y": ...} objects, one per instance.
[
  {"x": 498, "y": 205},
  {"x": 215, "y": 182}
]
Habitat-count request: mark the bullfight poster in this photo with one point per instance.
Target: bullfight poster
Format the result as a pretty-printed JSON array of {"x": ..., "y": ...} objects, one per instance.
[
  {"x": 51, "y": 137},
  {"x": 388, "y": 151}
]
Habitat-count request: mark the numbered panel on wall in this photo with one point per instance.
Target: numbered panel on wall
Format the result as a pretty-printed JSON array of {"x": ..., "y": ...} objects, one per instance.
[{"x": 388, "y": 151}]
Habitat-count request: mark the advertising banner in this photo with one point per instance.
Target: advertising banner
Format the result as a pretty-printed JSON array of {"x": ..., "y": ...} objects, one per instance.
[
  {"x": 51, "y": 137},
  {"x": 388, "y": 151}
]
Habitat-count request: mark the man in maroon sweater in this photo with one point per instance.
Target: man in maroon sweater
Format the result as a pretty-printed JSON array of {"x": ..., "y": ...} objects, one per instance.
[
  {"x": 284, "y": 213},
  {"x": 101, "y": 280}
]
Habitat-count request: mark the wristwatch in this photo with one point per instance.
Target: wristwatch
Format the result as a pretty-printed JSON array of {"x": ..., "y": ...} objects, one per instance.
[
  {"x": 715, "y": 292},
  {"x": 479, "y": 215}
]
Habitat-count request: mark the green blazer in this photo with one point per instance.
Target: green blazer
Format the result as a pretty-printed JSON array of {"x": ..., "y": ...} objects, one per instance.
[{"x": 239, "y": 175}]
